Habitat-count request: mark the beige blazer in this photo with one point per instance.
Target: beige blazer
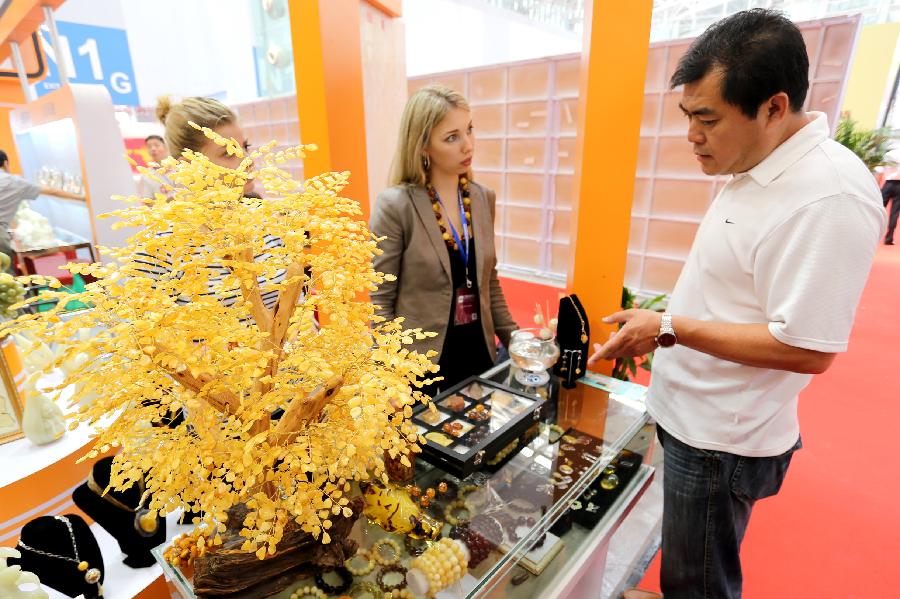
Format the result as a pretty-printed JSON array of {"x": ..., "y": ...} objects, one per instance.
[{"x": 414, "y": 251}]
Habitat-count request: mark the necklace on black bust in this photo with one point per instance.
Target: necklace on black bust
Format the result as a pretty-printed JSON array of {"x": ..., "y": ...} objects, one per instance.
[
  {"x": 145, "y": 522},
  {"x": 91, "y": 575},
  {"x": 466, "y": 203}
]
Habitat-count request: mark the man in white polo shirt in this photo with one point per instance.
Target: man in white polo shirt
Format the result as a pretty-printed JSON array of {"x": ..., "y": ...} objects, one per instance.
[{"x": 766, "y": 298}]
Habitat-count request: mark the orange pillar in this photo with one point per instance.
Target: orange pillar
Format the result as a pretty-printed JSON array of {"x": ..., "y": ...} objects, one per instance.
[
  {"x": 7, "y": 142},
  {"x": 613, "y": 65},
  {"x": 330, "y": 100}
]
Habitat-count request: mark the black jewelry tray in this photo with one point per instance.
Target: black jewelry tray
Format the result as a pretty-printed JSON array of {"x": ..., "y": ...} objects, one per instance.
[{"x": 513, "y": 413}]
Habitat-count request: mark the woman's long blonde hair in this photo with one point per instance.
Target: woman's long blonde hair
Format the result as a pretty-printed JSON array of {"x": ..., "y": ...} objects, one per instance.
[
  {"x": 424, "y": 109},
  {"x": 206, "y": 112}
]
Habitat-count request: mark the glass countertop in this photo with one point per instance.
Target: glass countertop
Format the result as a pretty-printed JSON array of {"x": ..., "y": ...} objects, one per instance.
[{"x": 585, "y": 437}]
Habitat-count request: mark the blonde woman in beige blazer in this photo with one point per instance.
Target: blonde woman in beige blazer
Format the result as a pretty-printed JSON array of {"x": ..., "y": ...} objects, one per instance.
[{"x": 438, "y": 227}]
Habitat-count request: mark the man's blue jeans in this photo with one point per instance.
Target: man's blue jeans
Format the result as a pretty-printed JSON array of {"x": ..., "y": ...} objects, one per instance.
[{"x": 708, "y": 496}]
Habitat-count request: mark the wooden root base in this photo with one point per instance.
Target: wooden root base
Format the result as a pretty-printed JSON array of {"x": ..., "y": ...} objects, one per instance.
[{"x": 231, "y": 573}]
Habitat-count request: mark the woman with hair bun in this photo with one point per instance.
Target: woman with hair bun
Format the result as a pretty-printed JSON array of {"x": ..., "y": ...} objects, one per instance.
[
  {"x": 205, "y": 112},
  {"x": 180, "y": 136}
]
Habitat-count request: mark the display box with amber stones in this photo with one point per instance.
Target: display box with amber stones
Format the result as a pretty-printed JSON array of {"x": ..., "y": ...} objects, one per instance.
[{"x": 476, "y": 424}]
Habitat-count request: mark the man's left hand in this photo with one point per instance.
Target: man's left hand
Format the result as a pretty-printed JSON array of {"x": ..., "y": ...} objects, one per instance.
[{"x": 636, "y": 338}]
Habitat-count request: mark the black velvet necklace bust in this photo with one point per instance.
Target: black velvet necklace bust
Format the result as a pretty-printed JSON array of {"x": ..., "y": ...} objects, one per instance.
[
  {"x": 50, "y": 535},
  {"x": 572, "y": 334},
  {"x": 122, "y": 524}
]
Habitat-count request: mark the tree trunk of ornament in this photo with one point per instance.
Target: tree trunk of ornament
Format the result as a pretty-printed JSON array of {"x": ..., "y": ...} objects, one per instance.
[{"x": 231, "y": 573}]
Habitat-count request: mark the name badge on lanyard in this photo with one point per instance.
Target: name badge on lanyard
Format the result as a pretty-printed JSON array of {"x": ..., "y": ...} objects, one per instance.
[
  {"x": 465, "y": 304},
  {"x": 465, "y": 301}
]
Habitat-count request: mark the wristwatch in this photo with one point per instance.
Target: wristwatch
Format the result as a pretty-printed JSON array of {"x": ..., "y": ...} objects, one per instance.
[{"x": 666, "y": 337}]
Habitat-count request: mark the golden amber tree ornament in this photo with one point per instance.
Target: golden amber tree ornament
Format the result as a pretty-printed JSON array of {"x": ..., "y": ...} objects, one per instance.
[{"x": 182, "y": 318}]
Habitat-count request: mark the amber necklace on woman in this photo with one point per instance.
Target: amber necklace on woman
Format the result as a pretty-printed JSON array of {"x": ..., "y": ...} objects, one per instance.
[{"x": 451, "y": 237}]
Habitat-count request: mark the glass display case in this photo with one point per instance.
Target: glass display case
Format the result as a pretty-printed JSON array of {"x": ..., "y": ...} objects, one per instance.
[
  {"x": 539, "y": 525},
  {"x": 70, "y": 140}
]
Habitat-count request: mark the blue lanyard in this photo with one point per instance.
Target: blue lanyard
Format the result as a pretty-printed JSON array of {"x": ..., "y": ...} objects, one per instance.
[{"x": 463, "y": 248}]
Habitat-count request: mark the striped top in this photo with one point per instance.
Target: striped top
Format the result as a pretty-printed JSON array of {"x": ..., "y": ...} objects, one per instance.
[{"x": 156, "y": 267}]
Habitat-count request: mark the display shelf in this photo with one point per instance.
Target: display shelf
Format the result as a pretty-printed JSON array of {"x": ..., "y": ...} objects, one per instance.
[
  {"x": 73, "y": 130},
  {"x": 547, "y": 278},
  {"x": 22, "y": 458},
  {"x": 513, "y": 170},
  {"x": 121, "y": 581},
  {"x": 668, "y": 218},
  {"x": 538, "y": 99},
  {"x": 665, "y": 154},
  {"x": 519, "y": 204},
  {"x": 502, "y": 136},
  {"x": 517, "y": 236},
  {"x": 488, "y": 103}
]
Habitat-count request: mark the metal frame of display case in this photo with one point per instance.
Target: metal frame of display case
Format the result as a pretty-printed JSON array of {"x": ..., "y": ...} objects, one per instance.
[{"x": 578, "y": 569}]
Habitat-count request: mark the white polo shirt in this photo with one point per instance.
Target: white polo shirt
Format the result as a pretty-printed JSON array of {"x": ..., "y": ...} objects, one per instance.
[{"x": 789, "y": 243}]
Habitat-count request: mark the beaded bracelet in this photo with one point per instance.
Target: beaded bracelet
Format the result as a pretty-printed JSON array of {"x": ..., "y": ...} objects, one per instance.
[
  {"x": 478, "y": 545},
  {"x": 488, "y": 527},
  {"x": 459, "y": 504},
  {"x": 442, "y": 565},
  {"x": 364, "y": 554},
  {"x": 309, "y": 591},
  {"x": 503, "y": 453},
  {"x": 386, "y": 542},
  {"x": 399, "y": 594},
  {"x": 342, "y": 572},
  {"x": 379, "y": 578},
  {"x": 364, "y": 586},
  {"x": 466, "y": 489}
]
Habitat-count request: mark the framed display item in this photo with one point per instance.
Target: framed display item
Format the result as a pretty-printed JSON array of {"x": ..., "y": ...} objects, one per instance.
[{"x": 10, "y": 402}]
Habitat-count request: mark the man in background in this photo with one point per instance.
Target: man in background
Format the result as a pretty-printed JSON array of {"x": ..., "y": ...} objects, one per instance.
[
  {"x": 156, "y": 147},
  {"x": 890, "y": 193},
  {"x": 13, "y": 190}
]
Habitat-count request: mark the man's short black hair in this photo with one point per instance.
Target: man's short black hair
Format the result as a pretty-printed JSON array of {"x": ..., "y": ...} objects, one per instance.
[
  {"x": 760, "y": 53},
  {"x": 157, "y": 137},
  {"x": 3, "y": 158}
]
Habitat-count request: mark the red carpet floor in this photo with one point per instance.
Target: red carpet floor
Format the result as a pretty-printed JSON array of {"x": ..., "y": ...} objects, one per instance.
[{"x": 834, "y": 530}]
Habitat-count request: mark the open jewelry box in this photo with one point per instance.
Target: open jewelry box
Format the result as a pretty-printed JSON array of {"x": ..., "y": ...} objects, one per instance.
[{"x": 475, "y": 424}]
